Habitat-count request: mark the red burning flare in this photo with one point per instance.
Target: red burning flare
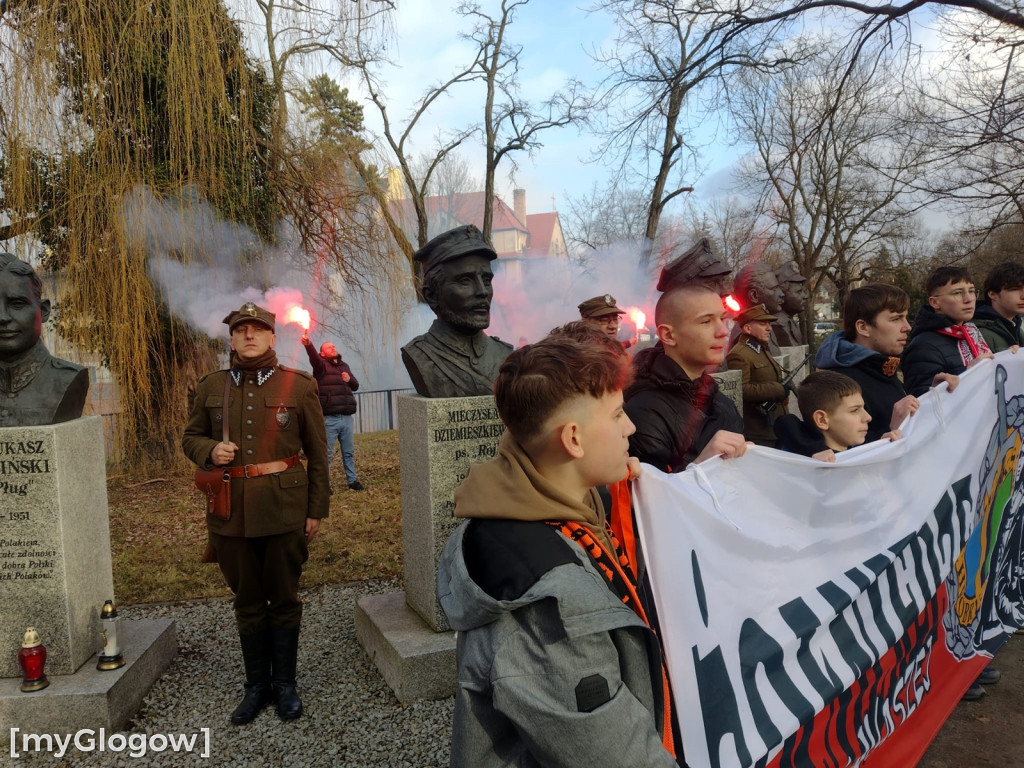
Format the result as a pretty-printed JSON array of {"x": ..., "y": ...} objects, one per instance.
[
  {"x": 297, "y": 314},
  {"x": 731, "y": 303},
  {"x": 638, "y": 317}
]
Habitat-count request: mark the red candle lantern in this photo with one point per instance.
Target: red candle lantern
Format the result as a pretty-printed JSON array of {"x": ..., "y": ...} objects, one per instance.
[{"x": 32, "y": 658}]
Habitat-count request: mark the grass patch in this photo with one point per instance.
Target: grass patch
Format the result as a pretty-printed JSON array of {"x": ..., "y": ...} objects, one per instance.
[{"x": 158, "y": 530}]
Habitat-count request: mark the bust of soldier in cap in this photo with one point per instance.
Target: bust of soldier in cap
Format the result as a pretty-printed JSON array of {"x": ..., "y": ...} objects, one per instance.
[
  {"x": 794, "y": 300},
  {"x": 36, "y": 388},
  {"x": 696, "y": 265},
  {"x": 762, "y": 374},
  {"x": 756, "y": 284},
  {"x": 602, "y": 313},
  {"x": 455, "y": 358}
]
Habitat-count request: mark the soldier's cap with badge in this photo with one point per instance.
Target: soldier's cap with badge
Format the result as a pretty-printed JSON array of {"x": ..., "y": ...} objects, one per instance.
[
  {"x": 599, "y": 306},
  {"x": 756, "y": 312},
  {"x": 250, "y": 313},
  {"x": 699, "y": 261},
  {"x": 454, "y": 244},
  {"x": 789, "y": 273}
]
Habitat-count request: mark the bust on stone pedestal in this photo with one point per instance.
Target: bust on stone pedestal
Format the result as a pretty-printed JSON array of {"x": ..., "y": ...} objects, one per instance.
[
  {"x": 794, "y": 300},
  {"x": 455, "y": 358},
  {"x": 35, "y": 387}
]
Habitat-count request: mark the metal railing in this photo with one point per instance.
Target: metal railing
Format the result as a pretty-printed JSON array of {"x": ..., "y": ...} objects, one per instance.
[{"x": 377, "y": 410}]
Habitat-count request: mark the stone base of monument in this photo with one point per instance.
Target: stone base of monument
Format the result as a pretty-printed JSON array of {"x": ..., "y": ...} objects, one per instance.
[
  {"x": 90, "y": 698},
  {"x": 415, "y": 661},
  {"x": 406, "y": 634}
]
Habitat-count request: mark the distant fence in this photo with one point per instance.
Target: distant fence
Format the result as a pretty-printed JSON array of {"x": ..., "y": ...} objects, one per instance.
[{"x": 377, "y": 410}]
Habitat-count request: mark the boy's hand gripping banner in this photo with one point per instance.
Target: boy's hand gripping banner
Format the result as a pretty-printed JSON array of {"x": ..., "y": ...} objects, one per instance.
[{"x": 828, "y": 615}]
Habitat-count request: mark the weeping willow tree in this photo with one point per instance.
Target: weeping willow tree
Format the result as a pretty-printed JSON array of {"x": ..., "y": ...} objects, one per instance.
[{"x": 98, "y": 98}]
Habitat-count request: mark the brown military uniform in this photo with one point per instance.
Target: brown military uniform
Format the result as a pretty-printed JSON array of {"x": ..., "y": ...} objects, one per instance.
[
  {"x": 269, "y": 421},
  {"x": 761, "y": 377}
]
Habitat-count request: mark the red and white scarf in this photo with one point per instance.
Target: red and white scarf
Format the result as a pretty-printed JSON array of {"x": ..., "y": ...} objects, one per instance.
[{"x": 970, "y": 341}]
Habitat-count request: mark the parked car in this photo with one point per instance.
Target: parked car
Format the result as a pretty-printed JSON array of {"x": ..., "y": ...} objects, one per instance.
[{"x": 823, "y": 329}]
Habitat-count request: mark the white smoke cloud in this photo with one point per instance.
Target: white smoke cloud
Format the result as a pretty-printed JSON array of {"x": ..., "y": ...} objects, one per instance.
[{"x": 206, "y": 267}]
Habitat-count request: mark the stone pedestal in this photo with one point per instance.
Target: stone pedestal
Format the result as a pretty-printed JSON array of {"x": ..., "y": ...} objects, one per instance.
[
  {"x": 791, "y": 358},
  {"x": 438, "y": 439},
  {"x": 90, "y": 698},
  {"x": 55, "y": 569},
  {"x": 730, "y": 384}
]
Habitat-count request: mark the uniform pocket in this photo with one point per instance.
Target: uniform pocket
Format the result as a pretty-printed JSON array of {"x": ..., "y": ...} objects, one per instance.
[{"x": 281, "y": 413}]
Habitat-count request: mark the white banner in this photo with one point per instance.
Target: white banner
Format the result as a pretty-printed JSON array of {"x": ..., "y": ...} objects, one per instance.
[{"x": 809, "y": 609}]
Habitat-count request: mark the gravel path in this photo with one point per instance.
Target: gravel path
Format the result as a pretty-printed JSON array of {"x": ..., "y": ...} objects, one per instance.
[{"x": 351, "y": 718}]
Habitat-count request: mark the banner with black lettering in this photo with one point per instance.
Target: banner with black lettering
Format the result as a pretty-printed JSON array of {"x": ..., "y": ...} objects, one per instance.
[{"x": 832, "y": 615}]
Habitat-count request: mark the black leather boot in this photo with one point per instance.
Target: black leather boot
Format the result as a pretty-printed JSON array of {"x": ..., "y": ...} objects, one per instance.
[
  {"x": 285, "y": 645},
  {"x": 258, "y": 692}
]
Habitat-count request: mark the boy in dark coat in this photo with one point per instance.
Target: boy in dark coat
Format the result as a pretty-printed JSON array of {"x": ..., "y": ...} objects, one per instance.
[
  {"x": 680, "y": 415},
  {"x": 867, "y": 350},
  {"x": 943, "y": 340},
  {"x": 998, "y": 313}
]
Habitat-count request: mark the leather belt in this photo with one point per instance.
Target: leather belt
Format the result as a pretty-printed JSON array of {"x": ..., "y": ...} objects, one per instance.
[{"x": 266, "y": 468}]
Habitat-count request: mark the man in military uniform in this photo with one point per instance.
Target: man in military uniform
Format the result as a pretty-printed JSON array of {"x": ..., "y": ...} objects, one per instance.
[
  {"x": 36, "y": 388},
  {"x": 602, "y": 313},
  {"x": 794, "y": 300},
  {"x": 697, "y": 265},
  {"x": 455, "y": 358},
  {"x": 273, "y": 414},
  {"x": 764, "y": 397}
]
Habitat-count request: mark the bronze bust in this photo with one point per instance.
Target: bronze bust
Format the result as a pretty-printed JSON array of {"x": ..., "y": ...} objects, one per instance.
[
  {"x": 696, "y": 265},
  {"x": 756, "y": 284},
  {"x": 35, "y": 387},
  {"x": 794, "y": 301},
  {"x": 455, "y": 358}
]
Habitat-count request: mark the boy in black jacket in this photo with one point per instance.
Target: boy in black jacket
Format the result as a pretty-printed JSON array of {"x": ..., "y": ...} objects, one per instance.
[{"x": 943, "y": 340}]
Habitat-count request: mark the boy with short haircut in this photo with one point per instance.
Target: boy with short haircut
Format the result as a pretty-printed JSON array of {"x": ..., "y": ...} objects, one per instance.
[
  {"x": 943, "y": 340},
  {"x": 834, "y": 417},
  {"x": 998, "y": 313},
  {"x": 557, "y": 664},
  {"x": 868, "y": 350},
  {"x": 680, "y": 415}
]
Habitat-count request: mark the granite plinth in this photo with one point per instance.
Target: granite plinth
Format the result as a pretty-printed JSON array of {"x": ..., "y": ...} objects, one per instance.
[
  {"x": 791, "y": 358},
  {"x": 55, "y": 569},
  {"x": 90, "y": 698},
  {"x": 730, "y": 384},
  {"x": 438, "y": 439},
  {"x": 414, "y": 660}
]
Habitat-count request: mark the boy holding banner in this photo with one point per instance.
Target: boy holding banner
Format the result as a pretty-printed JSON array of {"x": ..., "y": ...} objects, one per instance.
[{"x": 557, "y": 663}]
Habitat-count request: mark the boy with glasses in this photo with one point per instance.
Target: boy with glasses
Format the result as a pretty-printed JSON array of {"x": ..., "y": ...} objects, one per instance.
[{"x": 943, "y": 340}]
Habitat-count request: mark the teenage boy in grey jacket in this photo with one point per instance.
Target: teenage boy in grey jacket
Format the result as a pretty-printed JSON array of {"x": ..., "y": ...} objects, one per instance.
[{"x": 557, "y": 665}]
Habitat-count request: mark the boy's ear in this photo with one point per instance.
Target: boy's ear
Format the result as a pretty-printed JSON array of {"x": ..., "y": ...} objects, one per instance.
[
  {"x": 666, "y": 335},
  {"x": 569, "y": 437},
  {"x": 933, "y": 303},
  {"x": 862, "y": 328},
  {"x": 820, "y": 419}
]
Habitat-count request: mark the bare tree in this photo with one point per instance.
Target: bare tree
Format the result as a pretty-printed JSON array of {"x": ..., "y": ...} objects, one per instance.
[
  {"x": 833, "y": 167},
  {"x": 733, "y": 226},
  {"x": 975, "y": 115},
  {"x": 878, "y": 16},
  {"x": 599, "y": 218},
  {"x": 665, "y": 55},
  {"x": 510, "y": 123}
]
